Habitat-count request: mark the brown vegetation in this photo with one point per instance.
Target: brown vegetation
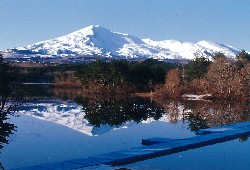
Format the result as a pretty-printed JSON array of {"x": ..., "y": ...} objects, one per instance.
[
  {"x": 145, "y": 94},
  {"x": 173, "y": 86},
  {"x": 224, "y": 79},
  {"x": 66, "y": 80},
  {"x": 97, "y": 88}
]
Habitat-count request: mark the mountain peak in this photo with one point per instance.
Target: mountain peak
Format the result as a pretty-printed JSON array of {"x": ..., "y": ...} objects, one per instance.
[
  {"x": 92, "y": 29},
  {"x": 97, "y": 40}
]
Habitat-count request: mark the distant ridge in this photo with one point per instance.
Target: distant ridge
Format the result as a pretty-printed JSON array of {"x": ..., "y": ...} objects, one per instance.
[{"x": 100, "y": 41}]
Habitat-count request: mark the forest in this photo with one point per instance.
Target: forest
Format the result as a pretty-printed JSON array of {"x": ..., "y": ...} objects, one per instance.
[
  {"x": 221, "y": 78},
  {"x": 121, "y": 76}
]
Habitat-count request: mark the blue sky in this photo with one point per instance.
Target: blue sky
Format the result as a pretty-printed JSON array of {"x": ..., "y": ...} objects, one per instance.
[{"x": 24, "y": 22}]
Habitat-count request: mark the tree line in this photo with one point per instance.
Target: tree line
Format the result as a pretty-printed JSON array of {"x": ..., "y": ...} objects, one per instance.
[
  {"x": 222, "y": 78},
  {"x": 122, "y": 76}
]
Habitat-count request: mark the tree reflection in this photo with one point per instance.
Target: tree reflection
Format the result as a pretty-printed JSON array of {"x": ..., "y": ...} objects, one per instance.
[
  {"x": 243, "y": 138},
  {"x": 6, "y": 129},
  {"x": 200, "y": 114},
  {"x": 211, "y": 114},
  {"x": 117, "y": 111},
  {"x": 173, "y": 109},
  {"x": 67, "y": 94},
  {"x": 220, "y": 112},
  {"x": 196, "y": 122},
  {"x": 9, "y": 100}
]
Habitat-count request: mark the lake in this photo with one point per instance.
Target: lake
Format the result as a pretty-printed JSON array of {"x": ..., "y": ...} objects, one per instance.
[{"x": 56, "y": 125}]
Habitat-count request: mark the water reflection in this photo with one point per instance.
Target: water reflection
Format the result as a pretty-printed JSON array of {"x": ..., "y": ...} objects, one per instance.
[
  {"x": 114, "y": 111},
  {"x": 118, "y": 111},
  {"x": 67, "y": 94},
  {"x": 173, "y": 108},
  {"x": 196, "y": 122},
  {"x": 210, "y": 114},
  {"x": 37, "y": 90},
  {"x": 9, "y": 100},
  {"x": 243, "y": 138},
  {"x": 6, "y": 129},
  {"x": 96, "y": 115}
]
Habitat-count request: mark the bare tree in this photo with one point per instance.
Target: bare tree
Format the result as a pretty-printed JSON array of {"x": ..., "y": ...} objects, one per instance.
[
  {"x": 229, "y": 79},
  {"x": 221, "y": 75},
  {"x": 173, "y": 83}
]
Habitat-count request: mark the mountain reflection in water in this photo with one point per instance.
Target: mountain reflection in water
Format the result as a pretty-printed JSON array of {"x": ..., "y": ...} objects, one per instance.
[
  {"x": 89, "y": 114},
  {"x": 92, "y": 117},
  {"x": 97, "y": 115},
  {"x": 116, "y": 112}
]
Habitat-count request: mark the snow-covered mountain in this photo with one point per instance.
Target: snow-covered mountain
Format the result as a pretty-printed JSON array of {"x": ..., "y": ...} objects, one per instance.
[{"x": 99, "y": 41}]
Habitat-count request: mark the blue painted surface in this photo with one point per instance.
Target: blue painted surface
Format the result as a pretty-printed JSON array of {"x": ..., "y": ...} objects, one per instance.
[{"x": 161, "y": 147}]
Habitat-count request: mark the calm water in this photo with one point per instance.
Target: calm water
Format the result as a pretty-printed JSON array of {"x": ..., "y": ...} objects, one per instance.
[
  {"x": 228, "y": 155},
  {"x": 57, "y": 125}
]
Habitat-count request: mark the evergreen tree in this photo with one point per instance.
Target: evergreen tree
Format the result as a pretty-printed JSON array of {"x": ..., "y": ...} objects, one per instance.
[
  {"x": 7, "y": 101},
  {"x": 197, "y": 68},
  {"x": 243, "y": 58},
  {"x": 8, "y": 87},
  {"x": 116, "y": 73}
]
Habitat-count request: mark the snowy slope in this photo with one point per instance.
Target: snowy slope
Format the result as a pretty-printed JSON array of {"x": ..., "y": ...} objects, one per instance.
[
  {"x": 96, "y": 40},
  {"x": 66, "y": 113}
]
